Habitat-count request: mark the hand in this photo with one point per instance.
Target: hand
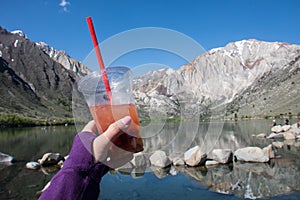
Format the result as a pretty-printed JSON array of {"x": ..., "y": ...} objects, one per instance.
[{"x": 104, "y": 150}]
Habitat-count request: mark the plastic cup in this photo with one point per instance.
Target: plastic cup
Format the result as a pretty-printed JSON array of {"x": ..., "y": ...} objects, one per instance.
[{"x": 108, "y": 108}]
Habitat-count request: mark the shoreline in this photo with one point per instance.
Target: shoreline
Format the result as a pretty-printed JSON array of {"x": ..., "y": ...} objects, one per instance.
[{"x": 12, "y": 120}]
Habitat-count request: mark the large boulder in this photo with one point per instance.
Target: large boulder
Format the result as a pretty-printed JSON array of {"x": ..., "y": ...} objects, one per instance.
[
  {"x": 194, "y": 156},
  {"x": 50, "y": 159},
  {"x": 275, "y": 136},
  {"x": 222, "y": 155},
  {"x": 177, "y": 161},
  {"x": 277, "y": 129},
  {"x": 278, "y": 144},
  {"x": 139, "y": 160},
  {"x": 269, "y": 151},
  {"x": 286, "y": 127},
  {"x": 251, "y": 154},
  {"x": 289, "y": 135},
  {"x": 160, "y": 159}
]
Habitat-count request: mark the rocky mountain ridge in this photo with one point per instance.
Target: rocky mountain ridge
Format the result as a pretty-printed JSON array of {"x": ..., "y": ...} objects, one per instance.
[
  {"x": 212, "y": 83},
  {"x": 244, "y": 78},
  {"x": 32, "y": 83}
]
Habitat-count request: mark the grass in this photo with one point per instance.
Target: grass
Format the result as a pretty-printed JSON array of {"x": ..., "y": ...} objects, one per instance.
[{"x": 15, "y": 120}]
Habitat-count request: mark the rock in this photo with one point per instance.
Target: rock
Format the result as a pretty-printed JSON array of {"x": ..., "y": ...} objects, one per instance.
[
  {"x": 194, "y": 156},
  {"x": 269, "y": 151},
  {"x": 275, "y": 135},
  {"x": 178, "y": 161},
  {"x": 211, "y": 162},
  {"x": 4, "y": 158},
  {"x": 127, "y": 168},
  {"x": 286, "y": 127},
  {"x": 261, "y": 135},
  {"x": 289, "y": 143},
  {"x": 222, "y": 155},
  {"x": 276, "y": 129},
  {"x": 60, "y": 164},
  {"x": 296, "y": 131},
  {"x": 251, "y": 154},
  {"x": 160, "y": 172},
  {"x": 173, "y": 171},
  {"x": 278, "y": 144},
  {"x": 138, "y": 172},
  {"x": 289, "y": 135},
  {"x": 33, "y": 165},
  {"x": 139, "y": 160},
  {"x": 49, "y": 159},
  {"x": 159, "y": 159},
  {"x": 298, "y": 137}
]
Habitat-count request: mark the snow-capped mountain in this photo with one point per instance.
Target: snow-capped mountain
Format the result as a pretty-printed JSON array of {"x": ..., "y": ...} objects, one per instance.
[
  {"x": 59, "y": 56},
  {"x": 63, "y": 58},
  {"x": 32, "y": 84},
  {"x": 216, "y": 77}
]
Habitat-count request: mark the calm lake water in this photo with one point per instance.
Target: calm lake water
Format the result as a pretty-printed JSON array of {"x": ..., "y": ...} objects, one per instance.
[{"x": 279, "y": 179}]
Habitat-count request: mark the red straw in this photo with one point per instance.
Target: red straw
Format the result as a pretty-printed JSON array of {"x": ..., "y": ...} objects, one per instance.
[{"x": 99, "y": 56}]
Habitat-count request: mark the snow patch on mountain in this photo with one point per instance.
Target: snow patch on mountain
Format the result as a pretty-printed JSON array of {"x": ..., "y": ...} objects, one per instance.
[{"x": 20, "y": 33}]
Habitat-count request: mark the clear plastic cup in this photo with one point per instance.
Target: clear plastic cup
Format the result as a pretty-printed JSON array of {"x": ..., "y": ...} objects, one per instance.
[{"x": 121, "y": 103}]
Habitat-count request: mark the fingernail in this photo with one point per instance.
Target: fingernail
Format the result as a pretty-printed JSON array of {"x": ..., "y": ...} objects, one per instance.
[{"x": 126, "y": 120}]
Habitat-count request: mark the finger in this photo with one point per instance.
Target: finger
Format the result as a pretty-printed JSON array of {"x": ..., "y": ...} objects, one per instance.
[
  {"x": 115, "y": 128},
  {"x": 103, "y": 142},
  {"x": 90, "y": 127}
]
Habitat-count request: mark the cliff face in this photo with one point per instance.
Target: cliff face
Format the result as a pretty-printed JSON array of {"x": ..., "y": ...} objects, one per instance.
[
  {"x": 32, "y": 83},
  {"x": 218, "y": 80}
]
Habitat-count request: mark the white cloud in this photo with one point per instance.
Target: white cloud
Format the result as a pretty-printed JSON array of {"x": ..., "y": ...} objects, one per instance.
[{"x": 64, "y": 4}]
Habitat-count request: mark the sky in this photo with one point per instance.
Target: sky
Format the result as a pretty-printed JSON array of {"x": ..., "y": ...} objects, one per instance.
[{"x": 211, "y": 23}]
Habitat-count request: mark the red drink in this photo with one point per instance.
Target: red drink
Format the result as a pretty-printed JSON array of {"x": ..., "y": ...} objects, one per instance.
[{"x": 106, "y": 114}]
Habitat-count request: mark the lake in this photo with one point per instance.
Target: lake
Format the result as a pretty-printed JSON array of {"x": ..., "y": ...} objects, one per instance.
[{"x": 278, "y": 179}]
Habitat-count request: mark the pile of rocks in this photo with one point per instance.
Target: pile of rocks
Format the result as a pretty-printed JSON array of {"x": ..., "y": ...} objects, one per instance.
[
  {"x": 196, "y": 156},
  {"x": 286, "y": 132}
]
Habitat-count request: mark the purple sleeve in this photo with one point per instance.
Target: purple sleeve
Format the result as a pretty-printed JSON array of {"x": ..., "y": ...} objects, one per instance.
[{"x": 80, "y": 176}]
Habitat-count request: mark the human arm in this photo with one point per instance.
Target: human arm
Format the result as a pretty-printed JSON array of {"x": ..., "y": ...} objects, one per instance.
[{"x": 87, "y": 163}]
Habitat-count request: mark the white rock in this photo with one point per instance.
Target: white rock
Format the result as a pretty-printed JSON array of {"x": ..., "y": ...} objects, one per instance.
[
  {"x": 298, "y": 137},
  {"x": 4, "y": 158},
  {"x": 159, "y": 159},
  {"x": 33, "y": 165},
  {"x": 276, "y": 129},
  {"x": 275, "y": 135},
  {"x": 173, "y": 171},
  {"x": 251, "y": 154},
  {"x": 261, "y": 135},
  {"x": 286, "y": 127},
  {"x": 139, "y": 160},
  {"x": 211, "y": 162},
  {"x": 194, "y": 156},
  {"x": 222, "y": 155},
  {"x": 178, "y": 161},
  {"x": 278, "y": 144},
  {"x": 289, "y": 135},
  {"x": 269, "y": 151}
]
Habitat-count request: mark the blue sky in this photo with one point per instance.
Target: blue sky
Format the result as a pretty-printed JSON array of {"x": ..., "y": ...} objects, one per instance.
[{"x": 212, "y": 23}]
